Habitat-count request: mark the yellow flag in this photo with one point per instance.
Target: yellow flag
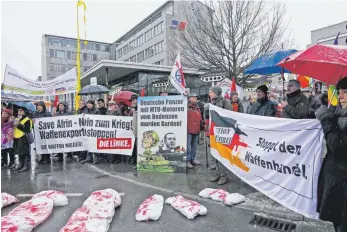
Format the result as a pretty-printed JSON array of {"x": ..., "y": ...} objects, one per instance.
[
  {"x": 332, "y": 96},
  {"x": 78, "y": 57}
]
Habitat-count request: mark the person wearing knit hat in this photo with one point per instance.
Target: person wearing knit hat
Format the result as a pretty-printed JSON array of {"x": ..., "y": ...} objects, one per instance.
[
  {"x": 332, "y": 187},
  {"x": 263, "y": 106},
  {"x": 237, "y": 106},
  {"x": 217, "y": 100}
]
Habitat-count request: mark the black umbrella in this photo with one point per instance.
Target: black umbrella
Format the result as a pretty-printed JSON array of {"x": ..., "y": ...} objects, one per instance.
[{"x": 93, "y": 89}]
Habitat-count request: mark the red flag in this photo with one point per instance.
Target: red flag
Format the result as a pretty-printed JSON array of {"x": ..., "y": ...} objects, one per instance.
[
  {"x": 56, "y": 100},
  {"x": 233, "y": 85},
  {"x": 142, "y": 92},
  {"x": 182, "y": 26}
]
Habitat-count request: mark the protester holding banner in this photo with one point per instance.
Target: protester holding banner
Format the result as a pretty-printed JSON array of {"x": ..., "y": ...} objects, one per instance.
[
  {"x": 113, "y": 109},
  {"x": 194, "y": 122},
  {"x": 237, "y": 106},
  {"x": 332, "y": 188},
  {"x": 101, "y": 107},
  {"x": 296, "y": 106},
  {"x": 7, "y": 141},
  {"x": 314, "y": 102},
  {"x": 81, "y": 107},
  {"x": 263, "y": 106},
  {"x": 22, "y": 127},
  {"x": 91, "y": 109},
  {"x": 215, "y": 94},
  {"x": 63, "y": 109}
]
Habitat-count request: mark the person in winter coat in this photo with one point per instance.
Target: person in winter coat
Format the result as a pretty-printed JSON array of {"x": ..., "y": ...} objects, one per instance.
[
  {"x": 41, "y": 112},
  {"x": 194, "y": 123},
  {"x": 263, "y": 106},
  {"x": 101, "y": 107},
  {"x": 296, "y": 107},
  {"x": 63, "y": 109},
  {"x": 332, "y": 187},
  {"x": 21, "y": 146},
  {"x": 113, "y": 109},
  {"x": 6, "y": 116},
  {"x": 314, "y": 102},
  {"x": 237, "y": 106},
  {"x": 81, "y": 107},
  {"x": 91, "y": 157},
  {"x": 215, "y": 94}
]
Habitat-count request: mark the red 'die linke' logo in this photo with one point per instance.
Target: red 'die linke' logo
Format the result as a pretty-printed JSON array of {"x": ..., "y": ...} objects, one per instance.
[{"x": 113, "y": 143}]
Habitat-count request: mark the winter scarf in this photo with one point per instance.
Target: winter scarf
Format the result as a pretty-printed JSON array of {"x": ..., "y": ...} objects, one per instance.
[{"x": 341, "y": 115}]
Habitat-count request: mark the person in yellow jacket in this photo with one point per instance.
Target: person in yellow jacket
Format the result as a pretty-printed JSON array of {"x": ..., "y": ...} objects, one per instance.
[{"x": 22, "y": 127}]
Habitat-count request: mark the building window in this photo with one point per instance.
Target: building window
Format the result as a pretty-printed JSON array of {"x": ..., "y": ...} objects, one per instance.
[
  {"x": 140, "y": 56},
  {"x": 119, "y": 53},
  {"x": 158, "y": 47},
  {"x": 158, "y": 29},
  {"x": 71, "y": 44},
  {"x": 55, "y": 42},
  {"x": 86, "y": 68},
  {"x": 71, "y": 55},
  {"x": 132, "y": 45},
  {"x": 57, "y": 67},
  {"x": 95, "y": 57},
  {"x": 149, "y": 52},
  {"x": 85, "y": 55},
  {"x": 126, "y": 49},
  {"x": 140, "y": 39},
  {"x": 82, "y": 45},
  {"x": 91, "y": 46},
  {"x": 133, "y": 58},
  {"x": 149, "y": 35},
  {"x": 57, "y": 53},
  {"x": 105, "y": 48},
  {"x": 89, "y": 56},
  {"x": 97, "y": 47},
  {"x": 160, "y": 62}
]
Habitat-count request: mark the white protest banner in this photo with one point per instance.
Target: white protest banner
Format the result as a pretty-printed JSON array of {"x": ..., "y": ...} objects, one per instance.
[
  {"x": 279, "y": 157},
  {"x": 94, "y": 133},
  {"x": 162, "y": 133},
  {"x": 14, "y": 82},
  {"x": 177, "y": 76}
]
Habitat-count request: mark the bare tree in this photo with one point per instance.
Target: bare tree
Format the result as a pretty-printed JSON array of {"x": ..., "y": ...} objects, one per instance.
[{"x": 229, "y": 35}]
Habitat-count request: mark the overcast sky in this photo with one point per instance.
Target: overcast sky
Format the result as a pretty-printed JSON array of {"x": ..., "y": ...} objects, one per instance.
[{"x": 24, "y": 22}]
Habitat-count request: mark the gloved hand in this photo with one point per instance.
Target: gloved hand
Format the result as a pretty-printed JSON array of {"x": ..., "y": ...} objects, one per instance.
[{"x": 324, "y": 112}]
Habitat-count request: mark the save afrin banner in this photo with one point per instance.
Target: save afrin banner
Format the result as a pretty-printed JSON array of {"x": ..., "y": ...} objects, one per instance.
[
  {"x": 93, "y": 133},
  {"x": 6, "y": 135},
  {"x": 14, "y": 82},
  {"x": 279, "y": 157},
  {"x": 162, "y": 133}
]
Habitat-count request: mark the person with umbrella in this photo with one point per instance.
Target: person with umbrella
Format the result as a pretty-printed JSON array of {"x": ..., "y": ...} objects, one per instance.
[
  {"x": 296, "y": 107},
  {"x": 332, "y": 187},
  {"x": 22, "y": 127}
]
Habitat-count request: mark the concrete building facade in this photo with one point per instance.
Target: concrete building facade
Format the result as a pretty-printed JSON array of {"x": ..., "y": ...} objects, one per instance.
[{"x": 327, "y": 35}]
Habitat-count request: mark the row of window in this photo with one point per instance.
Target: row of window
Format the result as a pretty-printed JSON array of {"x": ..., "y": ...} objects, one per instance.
[
  {"x": 156, "y": 30},
  {"x": 72, "y": 55},
  {"x": 147, "y": 53},
  {"x": 58, "y": 42},
  {"x": 160, "y": 62},
  {"x": 65, "y": 68}
]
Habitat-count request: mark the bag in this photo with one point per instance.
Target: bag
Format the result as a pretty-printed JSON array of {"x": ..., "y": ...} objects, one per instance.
[{"x": 30, "y": 137}]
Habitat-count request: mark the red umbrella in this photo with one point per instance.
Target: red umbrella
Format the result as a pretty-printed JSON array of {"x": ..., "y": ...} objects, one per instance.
[
  {"x": 123, "y": 96},
  {"x": 327, "y": 63}
]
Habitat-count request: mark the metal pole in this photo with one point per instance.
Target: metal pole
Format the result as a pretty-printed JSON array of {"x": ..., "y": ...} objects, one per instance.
[{"x": 206, "y": 150}]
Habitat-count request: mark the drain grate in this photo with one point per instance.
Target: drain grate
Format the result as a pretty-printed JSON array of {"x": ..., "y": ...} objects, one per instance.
[{"x": 273, "y": 224}]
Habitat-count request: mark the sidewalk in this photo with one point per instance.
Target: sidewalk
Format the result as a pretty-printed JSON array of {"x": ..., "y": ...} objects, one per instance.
[{"x": 197, "y": 179}]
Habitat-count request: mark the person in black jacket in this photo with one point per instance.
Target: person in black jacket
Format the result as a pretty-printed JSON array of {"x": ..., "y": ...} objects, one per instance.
[
  {"x": 81, "y": 107},
  {"x": 63, "y": 109},
  {"x": 91, "y": 109},
  {"x": 21, "y": 146},
  {"x": 332, "y": 187},
  {"x": 314, "y": 102},
  {"x": 101, "y": 106},
  {"x": 41, "y": 112},
  {"x": 296, "y": 105},
  {"x": 263, "y": 106}
]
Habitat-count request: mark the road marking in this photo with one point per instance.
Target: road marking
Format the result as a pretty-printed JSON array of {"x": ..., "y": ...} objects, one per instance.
[{"x": 66, "y": 194}]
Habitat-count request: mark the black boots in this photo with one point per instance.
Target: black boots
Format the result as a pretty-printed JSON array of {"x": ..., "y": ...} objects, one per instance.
[
  {"x": 26, "y": 165},
  {"x": 46, "y": 159}
]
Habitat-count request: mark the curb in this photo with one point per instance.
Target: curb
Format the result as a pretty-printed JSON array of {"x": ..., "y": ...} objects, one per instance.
[{"x": 249, "y": 206}]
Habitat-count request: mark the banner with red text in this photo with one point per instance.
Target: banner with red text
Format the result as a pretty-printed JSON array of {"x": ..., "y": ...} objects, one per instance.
[
  {"x": 93, "y": 133},
  {"x": 279, "y": 157}
]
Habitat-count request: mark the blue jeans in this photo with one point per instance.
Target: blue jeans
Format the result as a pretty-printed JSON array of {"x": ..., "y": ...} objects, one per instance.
[{"x": 192, "y": 145}]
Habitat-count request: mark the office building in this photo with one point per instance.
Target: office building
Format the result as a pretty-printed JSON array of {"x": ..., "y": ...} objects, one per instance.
[
  {"x": 327, "y": 35},
  {"x": 59, "y": 56}
]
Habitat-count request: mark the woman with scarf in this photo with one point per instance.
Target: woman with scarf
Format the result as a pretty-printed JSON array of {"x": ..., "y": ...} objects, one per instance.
[{"x": 332, "y": 187}]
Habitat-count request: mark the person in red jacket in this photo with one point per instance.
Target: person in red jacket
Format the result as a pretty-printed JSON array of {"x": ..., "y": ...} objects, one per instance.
[{"x": 194, "y": 122}]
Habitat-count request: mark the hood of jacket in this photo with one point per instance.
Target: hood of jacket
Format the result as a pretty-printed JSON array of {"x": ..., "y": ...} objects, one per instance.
[{"x": 64, "y": 103}]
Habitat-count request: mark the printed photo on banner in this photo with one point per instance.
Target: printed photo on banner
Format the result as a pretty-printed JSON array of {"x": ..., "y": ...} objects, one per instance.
[
  {"x": 279, "y": 157},
  {"x": 93, "y": 133},
  {"x": 7, "y": 135},
  {"x": 162, "y": 134},
  {"x": 15, "y": 82}
]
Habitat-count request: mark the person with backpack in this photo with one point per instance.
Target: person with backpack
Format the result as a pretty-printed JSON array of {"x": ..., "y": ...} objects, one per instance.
[
  {"x": 215, "y": 94},
  {"x": 21, "y": 143}
]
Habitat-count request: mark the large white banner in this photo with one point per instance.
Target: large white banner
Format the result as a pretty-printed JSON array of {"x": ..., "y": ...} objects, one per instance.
[
  {"x": 94, "y": 133},
  {"x": 279, "y": 157},
  {"x": 162, "y": 133},
  {"x": 65, "y": 83}
]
